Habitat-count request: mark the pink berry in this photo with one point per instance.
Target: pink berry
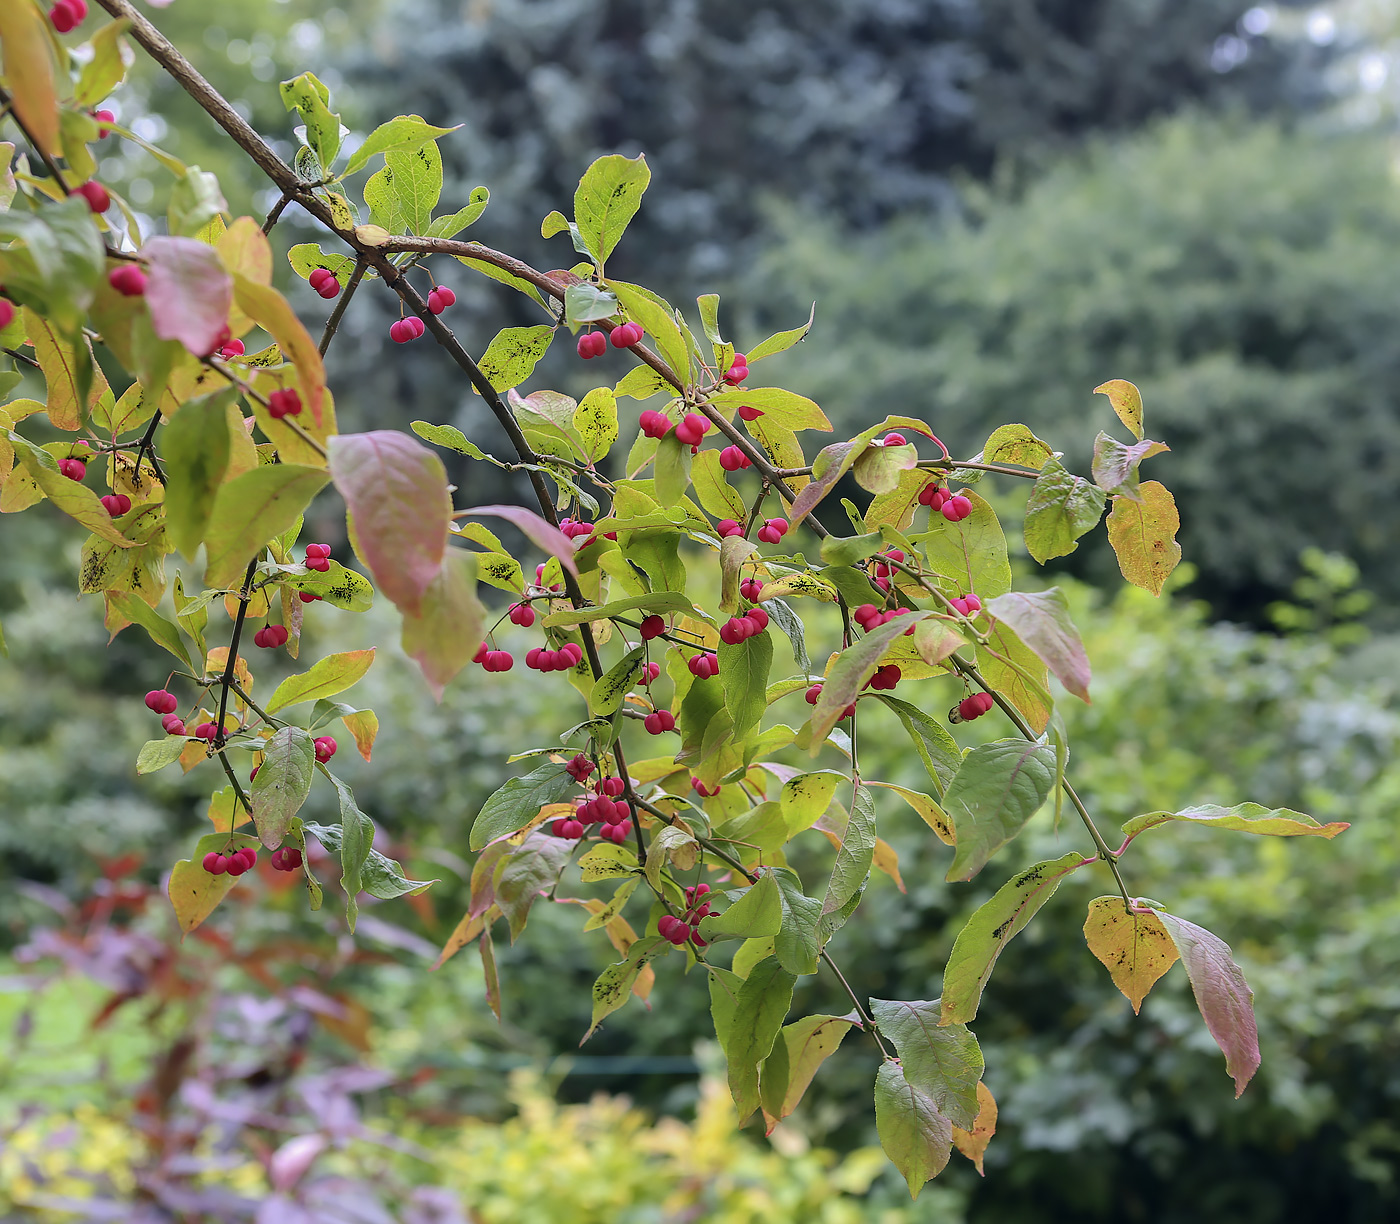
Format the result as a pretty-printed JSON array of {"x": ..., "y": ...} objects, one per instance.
[
  {"x": 652, "y": 627},
  {"x": 74, "y": 469},
  {"x": 234, "y": 348},
  {"x": 654, "y": 424},
  {"x": 308, "y": 597},
  {"x": 172, "y": 725},
  {"x": 284, "y": 403},
  {"x": 325, "y": 748},
  {"x": 64, "y": 16},
  {"x": 291, "y": 858},
  {"x": 329, "y": 288},
  {"x": 767, "y": 535},
  {"x": 318, "y": 550},
  {"x": 705, "y": 792},
  {"x": 214, "y": 863},
  {"x": 318, "y": 277},
  {"x": 158, "y": 701},
  {"x": 894, "y": 439},
  {"x": 128, "y": 280},
  {"x": 650, "y": 672},
  {"x": 814, "y": 694},
  {"x": 866, "y": 615},
  {"x": 7, "y": 313},
  {"x": 398, "y": 333},
  {"x": 973, "y": 603},
  {"x": 579, "y": 767},
  {"x": 573, "y": 830},
  {"x": 692, "y": 430},
  {"x": 728, "y": 527},
  {"x": 591, "y": 344},
  {"x": 957, "y": 508},
  {"x": 522, "y": 615},
  {"x": 960, "y": 605},
  {"x": 749, "y": 413},
  {"x": 885, "y": 678},
  {"x": 207, "y": 731},
  {"x": 759, "y": 617},
  {"x": 116, "y": 504},
  {"x": 623, "y": 336},
  {"x": 97, "y": 196},
  {"x": 440, "y": 299},
  {"x": 104, "y": 116},
  {"x": 732, "y": 459}
]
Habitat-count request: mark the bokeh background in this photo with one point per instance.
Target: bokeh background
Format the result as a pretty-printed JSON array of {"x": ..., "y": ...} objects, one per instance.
[{"x": 996, "y": 205}]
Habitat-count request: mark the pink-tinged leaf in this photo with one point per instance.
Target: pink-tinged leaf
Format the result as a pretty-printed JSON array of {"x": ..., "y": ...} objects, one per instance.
[
  {"x": 1041, "y": 620},
  {"x": 290, "y": 1162},
  {"x": 547, "y": 538},
  {"x": 396, "y": 491},
  {"x": 835, "y": 461},
  {"x": 1222, "y": 994},
  {"x": 444, "y": 634},
  {"x": 189, "y": 292},
  {"x": 853, "y": 667}
]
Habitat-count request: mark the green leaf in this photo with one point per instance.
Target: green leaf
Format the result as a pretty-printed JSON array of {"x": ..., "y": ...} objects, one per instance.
[
  {"x": 1061, "y": 508},
  {"x": 249, "y": 510},
  {"x": 799, "y": 1051},
  {"x": 659, "y": 319},
  {"x": 797, "y": 944},
  {"x": 356, "y": 844},
  {"x": 614, "y": 984},
  {"x": 608, "y": 196},
  {"x": 879, "y": 469},
  {"x": 851, "y": 550},
  {"x": 713, "y": 489},
  {"x": 805, "y": 797},
  {"x": 757, "y": 913},
  {"x": 1242, "y": 818},
  {"x": 943, "y": 1062},
  {"x": 1222, "y": 994},
  {"x": 196, "y": 445},
  {"x": 991, "y": 928},
  {"x": 333, "y": 674},
  {"x": 282, "y": 784},
  {"x": 449, "y": 626},
  {"x": 73, "y": 497},
  {"x": 658, "y": 601},
  {"x": 724, "y": 998},
  {"x": 517, "y": 283},
  {"x": 380, "y": 876},
  {"x": 585, "y": 302},
  {"x": 762, "y": 1003},
  {"x": 608, "y": 693},
  {"x": 937, "y": 749},
  {"x": 672, "y": 468},
  {"x": 451, "y": 224},
  {"x": 928, "y": 810},
  {"x": 852, "y": 668},
  {"x": 155, "y": 755},
  {"x": 781, "y": 341},
  {"x": 642, "y": 382},
  {"x": 306, "y": 257},
  {"x": 972, "y": 552},
  {"x": 532, "y": 869},
  {"x": 416, "y": 183},
  {"x": 513, "y": 353},
  {"x": 518, "y": 802},
  {"x": 403, "y": 133},
  {"x": 194, "y": 893},
  {"x": 915, "y": 1136},
  {"x": 340, "y": 587},
  {"x": 852, "y": 867},
  {"x": 1041, "y": 620},
  {"x": 107, "y": 67},
  {"x": 780, "y": 407},
  {"x": 743, "y": 671},
  {"x": 999, "y": 787},
  {"x": 791, "y": 624},
  {"x": 195, "y": 200},
  {"x": 1115, "y": 466},
  {"x": 1011, "y": 669},
  {"x": 449, "y": 436},
  {"x": 310, "y": 99},
  {"x": 607, "y": 861},
  {"x": 595, "y": 419},
  {"x": 1016, "y": 444},
  {"x": 161, "y": 631},
  {"x": 395, "y": 490}
]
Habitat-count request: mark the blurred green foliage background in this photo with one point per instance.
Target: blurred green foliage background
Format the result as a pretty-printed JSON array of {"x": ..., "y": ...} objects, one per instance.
[{"x": 996, "y": 204}]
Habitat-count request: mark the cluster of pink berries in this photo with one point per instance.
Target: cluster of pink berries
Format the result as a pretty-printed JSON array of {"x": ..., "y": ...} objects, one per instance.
[
  {"x": 158, "y": 701},
  {"x": 128, "y": 280},
  {"x": 207, "y": 731},
  {"x": 604, "y": 808},
  {"x": 739, "y": 628},
  {"x": 440, "y": 299},
  {"x": 284, "y": 404},
  {"x": 74, "y": 469},
  {"x": 773, "y": 530},
  {"x": 975, "y": 706},
  {"x": 738, "y": 370},
  {"x": 574, "y": 528},
  {"x": 99, "y": 199},
  {"x": 654, "y": 424},
  {"x": 325, "y": 747},
  {"x": 318, "y": 557},
  {"x": 967, "y": 604},
  {"x": 953, "y": 506},
  {"x": 732, "y": 459},
  {"x": 814, "y": 695},
  {"x": 705, "y": 665},
  {"x": 594, "y": 343},
  {"x": 685, "y": 928},
  {"x": 323, "y": 281},
  {"x": 728, "y": 527},
  {"x": 104, "y": 116},
  {"x": 751, "y": 589},
  {"x": 869, "y": 617},
  {"x": 234, "y": 864},
  {"x": 271, "y": 636},
  {"x": 285, "y": 858},
  {"x": 579, "y": 768},
  {"x": 522, "y": 614},
  {"x": 626, "y": 335},
  {"x": 542, "y": 659},
  {"x": 406, "y": 329},
  {"x": 658, "y": 722},
  {"x": 493, "y": 660},
  {"x": 116, "y": 504},
  {"x": 885, "y": 678},
  {"x": 692, "y": 430},
  {"x": 885, "y": 562}
]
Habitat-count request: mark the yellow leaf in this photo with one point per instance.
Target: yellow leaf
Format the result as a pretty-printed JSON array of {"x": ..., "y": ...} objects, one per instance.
[
  {"x": 1127, "y": 403},
  {"x": 271, "y": 311},
  {"x": 887, "y": 860},
  {"x": 1134, "y": 946},
  {"x": 973, "y": 1143},
  {"x": 29, "y": 71},
  {"x": 1143, "y": 535},
  {"x": 58, "y": 358}
]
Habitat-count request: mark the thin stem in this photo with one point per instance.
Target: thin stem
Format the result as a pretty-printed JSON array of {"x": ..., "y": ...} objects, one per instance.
[
  {"x": 237, "y": 787},
  {"x": 276, "y": 212},
  {"x": 48, "y": 161},
  {"x": 220, "y": 368},
  {"x": 18, "y": 356},
  {"x": 253, "y": 705},
  {"x": 866, "y": 1019},
  {"x": 757, "y": 509},
  {"x": 338, "y": 313},
  {"x": 945, "y": 465},
  {"x": 145, "y": 448},
  {"x": 226, "y": 680}
]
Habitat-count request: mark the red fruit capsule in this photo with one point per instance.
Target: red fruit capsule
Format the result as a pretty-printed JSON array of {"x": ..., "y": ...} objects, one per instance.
[
  {"x": 654, "y": 424},
  {"x": 814, "y": 694},
  {"x": 215, "y": 863},
  {"x": 732, "y": 459},
  {"x": 749, "y": 413},
  {"x": 74, "y": 469},
  {"x": 234, "y": 348},
  {"x": 692, "y": 430},
  {"x": 159, "y": 701},
  {"x": 329, "y": 288},
  {"x": 956, "y": 508},
  {"x": 750, "y": 589},
  {"x": 284, "y": 403},
  {"x": 650, "y": 672},
  {"x": 7, "y": 313},
  {"x": 325, "y": 748},
  {"x": 116, "y": 504},
  {"x": 128, "y": 280},
  {"x": 759, "y": 617},
  {"x": 728, "y": 527},
  {"x": 652, "y": 627},
  {"x": 98, "y": 197},
  {"x": 973, "y": 603},
  {"x": 172, "y": 725}
]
